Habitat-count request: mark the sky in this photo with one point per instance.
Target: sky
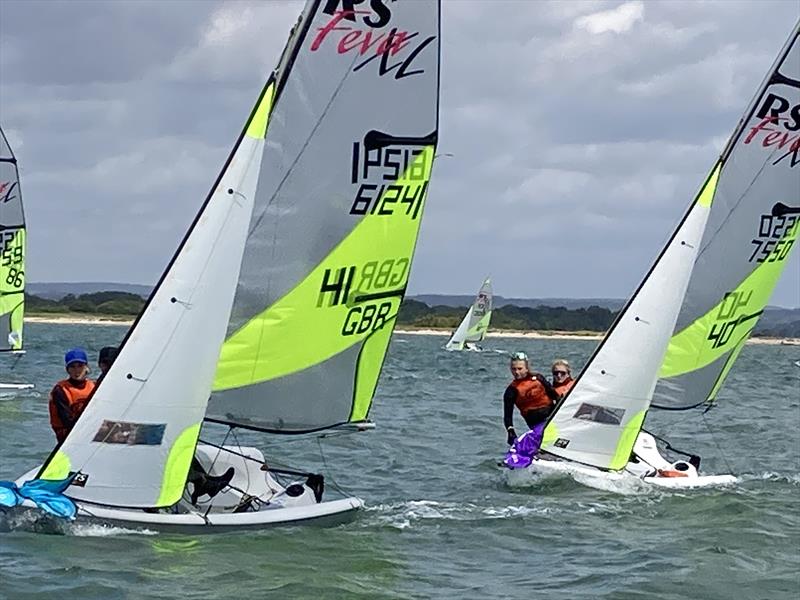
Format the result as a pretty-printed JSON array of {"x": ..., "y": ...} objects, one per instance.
[{"x": 579, "y": 131}]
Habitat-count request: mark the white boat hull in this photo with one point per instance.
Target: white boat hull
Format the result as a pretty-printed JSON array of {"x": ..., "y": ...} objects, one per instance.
[
  {"x": 650, "y": 468},
  {"x": 609, "y": 480},
  {"x": 275, "y": 508}
]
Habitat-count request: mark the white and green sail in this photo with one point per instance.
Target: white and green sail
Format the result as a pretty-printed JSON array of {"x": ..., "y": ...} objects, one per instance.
[
  {"x": 752, "y": 231},
  {"x": 12, "y": 251},
  {"x": 134, "y": 442},
  {"x": 343, "y": 186},
  {"x": 475, "y": 324},
  {"x": 704, "y": 268},
  {"x": 599, "y": 419}
]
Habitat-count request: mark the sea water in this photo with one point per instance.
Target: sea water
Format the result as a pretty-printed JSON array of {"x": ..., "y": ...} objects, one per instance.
[{"x": 440, "y": 521}]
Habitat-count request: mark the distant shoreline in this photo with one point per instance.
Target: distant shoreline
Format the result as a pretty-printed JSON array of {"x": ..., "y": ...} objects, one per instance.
[
  {"x": 578, "y": 335},
  {"x": 536, "y": 335}
]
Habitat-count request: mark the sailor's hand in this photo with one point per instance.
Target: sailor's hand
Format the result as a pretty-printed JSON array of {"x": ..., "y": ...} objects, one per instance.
[{"x": 512, "y": 435}]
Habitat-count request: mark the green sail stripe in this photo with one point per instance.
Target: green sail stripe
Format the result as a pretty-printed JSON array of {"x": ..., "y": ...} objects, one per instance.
[
  {"x": 12, "y": 285},
  {"x": 258, "y": 124},
  {"x": 176, "y": 469},
  {"x": 308, "y": 326},
  {"x": 58, "y": 467},
  {"x": 730, "y": 322},
  {"x": 728, "y": 364},
  {"x": 626, "y": 441},
  {"x": 481, "y": 326},
  {"x": 370, "y": 361},
  {"x": 706, "y": 196}
]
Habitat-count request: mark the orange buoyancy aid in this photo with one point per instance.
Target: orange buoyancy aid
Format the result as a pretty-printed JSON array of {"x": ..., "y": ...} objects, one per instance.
[
  {"x": 563, "y": 388},
  {"x": 531, "y": 395},
  {"x": 77, "y": 398}
]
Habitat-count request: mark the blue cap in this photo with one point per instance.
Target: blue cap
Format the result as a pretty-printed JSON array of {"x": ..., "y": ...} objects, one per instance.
[{"x": 76, "y": 355}]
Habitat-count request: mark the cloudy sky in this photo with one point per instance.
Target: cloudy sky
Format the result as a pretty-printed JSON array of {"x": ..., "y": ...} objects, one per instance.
[{"x": 580, "y": 131}]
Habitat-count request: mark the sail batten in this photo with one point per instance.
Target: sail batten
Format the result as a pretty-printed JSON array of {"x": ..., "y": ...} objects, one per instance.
[{"x": 752, "y": 231}]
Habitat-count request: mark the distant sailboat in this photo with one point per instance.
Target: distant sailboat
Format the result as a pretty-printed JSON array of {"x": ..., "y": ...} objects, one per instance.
[
  {"x": 475, "y": 323},
  {"x": 713, "y": 279},
  {"x": 283, "y": 295},
  {"x": 12, "y": 257}
]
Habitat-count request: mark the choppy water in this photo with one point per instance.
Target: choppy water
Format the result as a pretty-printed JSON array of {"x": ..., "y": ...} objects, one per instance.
[{"x": 440, "y": 522}]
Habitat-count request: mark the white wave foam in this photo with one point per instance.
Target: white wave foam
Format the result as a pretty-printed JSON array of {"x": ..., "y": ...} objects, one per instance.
[
  {"x": 402, "y": 515},
  {"x": 97, "y": 530},
  {"x": 792, "y": 478}
]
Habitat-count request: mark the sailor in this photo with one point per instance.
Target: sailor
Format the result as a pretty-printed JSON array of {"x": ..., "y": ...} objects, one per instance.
[
  {"x": 69, "y": 397},
  {"x": 530, "y": 392},
  {"x": 106, "y": 359},
  {"x": 562, "y": 377}
]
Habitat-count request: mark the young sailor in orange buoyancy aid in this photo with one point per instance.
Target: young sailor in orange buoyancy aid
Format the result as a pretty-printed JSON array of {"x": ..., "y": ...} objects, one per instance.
[
  {"x": 69, "y": 397},
  {"x": 562, "y": 377},
  {"x": 531, "y": 393}
]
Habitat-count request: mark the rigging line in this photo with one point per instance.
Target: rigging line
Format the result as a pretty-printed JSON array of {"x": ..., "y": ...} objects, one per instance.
[
  {"x": 213, "y": 462},
  {"x": 716, "y": 443},
  {"x": 735, "y": 206},
  {"x": 239, "y": 446},
  {"x": 261, "y": 462},
  {"x": 667, "y": 445},
  {"x": 328, "y": 471}
]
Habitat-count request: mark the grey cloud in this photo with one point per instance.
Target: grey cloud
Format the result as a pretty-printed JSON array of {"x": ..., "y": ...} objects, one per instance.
[{"x": 574, "y": 154}]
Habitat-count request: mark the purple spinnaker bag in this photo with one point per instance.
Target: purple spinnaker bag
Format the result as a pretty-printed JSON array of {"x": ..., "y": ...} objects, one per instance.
[{"x": 525, "y": 447}]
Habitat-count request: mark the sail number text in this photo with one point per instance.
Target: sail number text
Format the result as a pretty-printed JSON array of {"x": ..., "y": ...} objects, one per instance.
[
  {"x": 776, "y": 236},
  {"x": 392, "y": 180},
  {"x": 369, "y": 290}
]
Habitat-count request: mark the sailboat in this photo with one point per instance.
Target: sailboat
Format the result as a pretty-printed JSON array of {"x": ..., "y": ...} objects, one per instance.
[
  {"x": 475, "y": 324},
  {"x": 12, "y": 258},
  {"x": 688, "y": 321},
  {"x": 276, "y": 312}
]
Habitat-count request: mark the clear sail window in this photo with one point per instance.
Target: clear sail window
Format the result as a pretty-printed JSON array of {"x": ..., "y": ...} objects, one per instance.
[
  {"x": 599, "y": 414},
  {"x": 132, "y": 434}
]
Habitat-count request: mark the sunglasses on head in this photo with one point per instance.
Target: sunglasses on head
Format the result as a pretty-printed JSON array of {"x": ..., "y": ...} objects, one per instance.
[{"x": 560, "y": 372}]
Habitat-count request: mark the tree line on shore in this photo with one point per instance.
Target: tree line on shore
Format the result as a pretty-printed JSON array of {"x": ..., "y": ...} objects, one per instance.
[{"x": 413, "y": 313}]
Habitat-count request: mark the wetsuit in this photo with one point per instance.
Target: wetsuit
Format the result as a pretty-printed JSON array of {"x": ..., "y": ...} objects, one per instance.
[{"x": 533, "y": 395}]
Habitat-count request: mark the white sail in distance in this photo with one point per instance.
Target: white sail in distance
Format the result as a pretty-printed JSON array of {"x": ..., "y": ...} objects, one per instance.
[{"x": 475, "y": 324}]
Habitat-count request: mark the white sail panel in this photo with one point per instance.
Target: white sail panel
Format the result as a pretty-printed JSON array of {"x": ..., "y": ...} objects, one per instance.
[
  {"x": 147, "y": 411},
  {"x": 341, "y": 194},
  {"x": 752, "y": 231},
  {"x": 12, "y": 250},
  {"x": 475, "y": 324},
  {"x": 598, "y": 421}
]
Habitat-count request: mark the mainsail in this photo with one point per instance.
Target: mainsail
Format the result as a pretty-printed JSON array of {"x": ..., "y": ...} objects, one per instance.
[
  {"x": 341, "y": 195},
  {"x": 752, "y": 230},
  {"x": 12, "y": 251},
  {"x": 475, "y": 323}
]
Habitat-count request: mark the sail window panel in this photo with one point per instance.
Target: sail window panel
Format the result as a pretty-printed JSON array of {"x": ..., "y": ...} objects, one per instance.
[{"x": 132, "y": 434}]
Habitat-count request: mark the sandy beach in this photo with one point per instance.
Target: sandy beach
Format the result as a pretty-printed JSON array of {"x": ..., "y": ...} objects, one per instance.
[
  {"x": 543, "y": 335},
  {"x": 72, "y": 320}
]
